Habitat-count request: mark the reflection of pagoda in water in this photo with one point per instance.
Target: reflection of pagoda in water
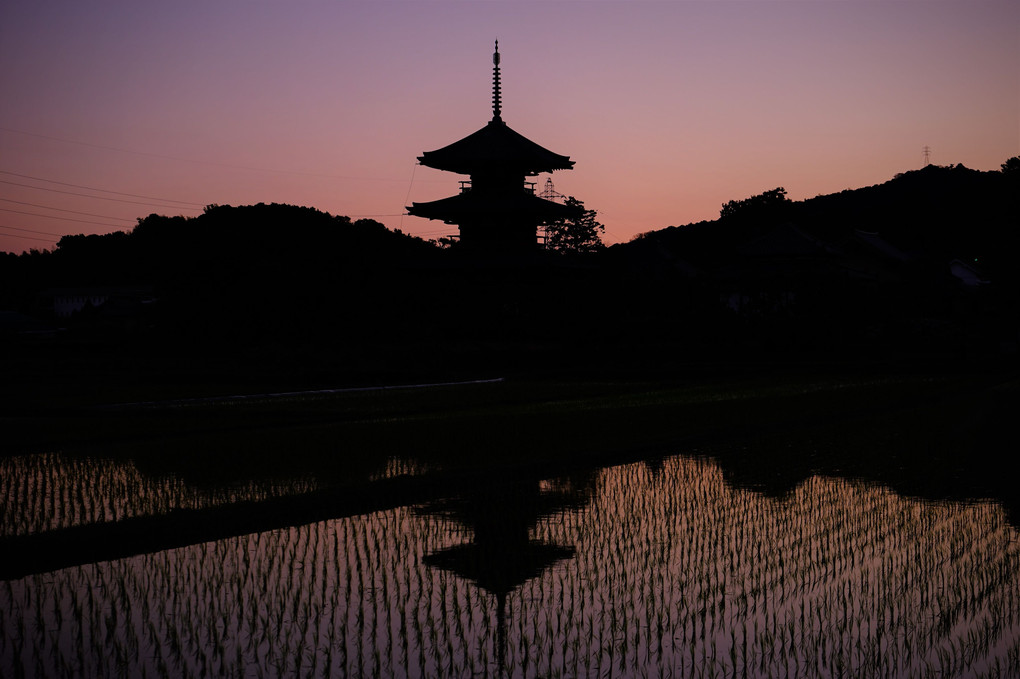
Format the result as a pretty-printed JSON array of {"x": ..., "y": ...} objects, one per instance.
[
  {"x": 502, "y": 557},
  {"x": 496, "y": 209}
]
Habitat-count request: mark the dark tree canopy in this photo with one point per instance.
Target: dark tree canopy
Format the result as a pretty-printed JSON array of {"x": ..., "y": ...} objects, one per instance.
[
  {"x": 875, "y": 269},
  {"x": 762, "y": 204},
  {"x": 580, "y": 234}
]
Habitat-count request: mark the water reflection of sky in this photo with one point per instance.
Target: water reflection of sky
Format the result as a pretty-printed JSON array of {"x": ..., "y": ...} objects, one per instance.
[{"x": 652, "y": 570}]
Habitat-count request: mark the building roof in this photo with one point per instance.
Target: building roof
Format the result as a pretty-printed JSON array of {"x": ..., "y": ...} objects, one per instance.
[
  {"x": 495, "y": 146},
  {"x": 475, "y": 204}
]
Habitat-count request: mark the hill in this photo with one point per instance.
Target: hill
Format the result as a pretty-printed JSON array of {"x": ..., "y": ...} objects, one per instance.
[
  {"x": 919, "y": 267},
  {"x": 923, "y": 262},
  {"x": 936, "y": 211}
]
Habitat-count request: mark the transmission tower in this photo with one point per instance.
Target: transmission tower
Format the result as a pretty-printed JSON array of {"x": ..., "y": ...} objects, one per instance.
[
  {"x": 550, "y": 192},
  {"x": 927, "y": 155}
]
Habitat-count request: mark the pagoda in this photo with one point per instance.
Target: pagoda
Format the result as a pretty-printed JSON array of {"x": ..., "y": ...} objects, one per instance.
[{"x": 497, "y": 210}]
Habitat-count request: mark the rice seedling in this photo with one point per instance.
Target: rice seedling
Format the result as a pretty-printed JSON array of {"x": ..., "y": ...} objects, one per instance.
[
  {"x": 43, "y": 492},
  {"x": 672, "y": 573}
]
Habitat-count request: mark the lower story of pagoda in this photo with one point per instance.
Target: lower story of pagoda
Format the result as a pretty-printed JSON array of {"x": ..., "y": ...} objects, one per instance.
[{"x": 505, "y": 222}]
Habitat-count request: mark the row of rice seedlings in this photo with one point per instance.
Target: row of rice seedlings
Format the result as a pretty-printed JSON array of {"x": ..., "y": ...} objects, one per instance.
[
  {"x": 675, "y": 573},
  {"x": 48, "y": 491},
  {"x": 402, "y": 466},
  {"x": 761, "y": 604}
]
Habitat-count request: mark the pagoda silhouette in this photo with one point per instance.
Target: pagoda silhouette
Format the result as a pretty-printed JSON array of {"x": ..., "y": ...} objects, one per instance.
[{"x": 497, "y": 210}]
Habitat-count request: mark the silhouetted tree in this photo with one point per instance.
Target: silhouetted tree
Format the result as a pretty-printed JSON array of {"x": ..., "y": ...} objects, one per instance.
[
  {"x": 444, "y": 242},
  {"x": 1011, "y": 165},
  {"x": 579, "y": 234},
  {"x": 769, "y": 202}
]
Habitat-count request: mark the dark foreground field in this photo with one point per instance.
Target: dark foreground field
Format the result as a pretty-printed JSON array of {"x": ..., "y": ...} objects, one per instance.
[{"x": 925, "y": 431}]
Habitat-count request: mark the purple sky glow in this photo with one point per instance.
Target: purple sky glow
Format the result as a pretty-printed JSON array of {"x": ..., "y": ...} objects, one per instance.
[{"x": 114, "y": 110}]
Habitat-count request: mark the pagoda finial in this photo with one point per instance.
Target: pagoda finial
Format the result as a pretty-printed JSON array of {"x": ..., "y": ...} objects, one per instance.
[{"x": 496, "y": 100}]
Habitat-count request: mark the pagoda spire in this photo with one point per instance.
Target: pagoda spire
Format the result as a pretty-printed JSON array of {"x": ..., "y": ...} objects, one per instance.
[{"x": 496, "y": 99}]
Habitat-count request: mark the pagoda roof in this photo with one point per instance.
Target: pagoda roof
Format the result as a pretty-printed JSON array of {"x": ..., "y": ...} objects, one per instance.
[
  {"x": 474, "y": 204},
  {"x": 499, "y": 568},
  {"x": 495, "y": 146}
]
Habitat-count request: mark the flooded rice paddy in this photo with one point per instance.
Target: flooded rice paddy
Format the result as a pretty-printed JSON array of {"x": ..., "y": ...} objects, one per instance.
[{"x": 643, "y": 569}]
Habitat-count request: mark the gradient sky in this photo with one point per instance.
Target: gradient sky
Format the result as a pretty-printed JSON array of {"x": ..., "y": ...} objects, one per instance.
[{"x": 668, "y": 108}]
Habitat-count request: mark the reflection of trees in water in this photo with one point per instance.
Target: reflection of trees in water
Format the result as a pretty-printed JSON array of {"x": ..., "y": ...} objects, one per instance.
[{"x": 672, "y": 572}]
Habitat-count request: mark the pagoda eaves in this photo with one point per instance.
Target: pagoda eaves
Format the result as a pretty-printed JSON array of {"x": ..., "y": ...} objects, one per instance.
[
  {"x": 495, "y": 146},
  {"x": 476, "y": 205}
]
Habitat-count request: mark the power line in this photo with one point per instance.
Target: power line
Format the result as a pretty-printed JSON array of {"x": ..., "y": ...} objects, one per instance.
[
  {"x": 92, "y": 188},
  {"x": 76, "y": 212},
  {"x": 14, "y": 235},
  {"x": 85, "y": 195},
  {"x": 66, "y": 219},
  {"x": 17, "y": 228}
]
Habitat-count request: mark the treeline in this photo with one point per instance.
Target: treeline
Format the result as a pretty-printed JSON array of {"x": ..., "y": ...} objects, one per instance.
[
  {"x": 924, "y": 263},
  {"x": 935, "y": 212},
  {"x": 230, "y": 272},
  {"x": 223, "y": 242}
]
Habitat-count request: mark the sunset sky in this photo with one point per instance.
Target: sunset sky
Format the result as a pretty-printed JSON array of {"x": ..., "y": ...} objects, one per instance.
[{"x": 113, "y": 110}]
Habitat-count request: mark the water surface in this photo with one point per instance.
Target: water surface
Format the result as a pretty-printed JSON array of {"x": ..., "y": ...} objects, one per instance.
[{"x": 644, "y": 569}]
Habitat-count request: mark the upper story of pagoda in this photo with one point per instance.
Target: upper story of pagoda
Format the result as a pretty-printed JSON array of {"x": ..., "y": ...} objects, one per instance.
[{"x": 496, "y": 148}]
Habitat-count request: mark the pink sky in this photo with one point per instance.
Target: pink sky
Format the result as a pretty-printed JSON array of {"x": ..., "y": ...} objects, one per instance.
[{"x": 668, "y": 108}]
